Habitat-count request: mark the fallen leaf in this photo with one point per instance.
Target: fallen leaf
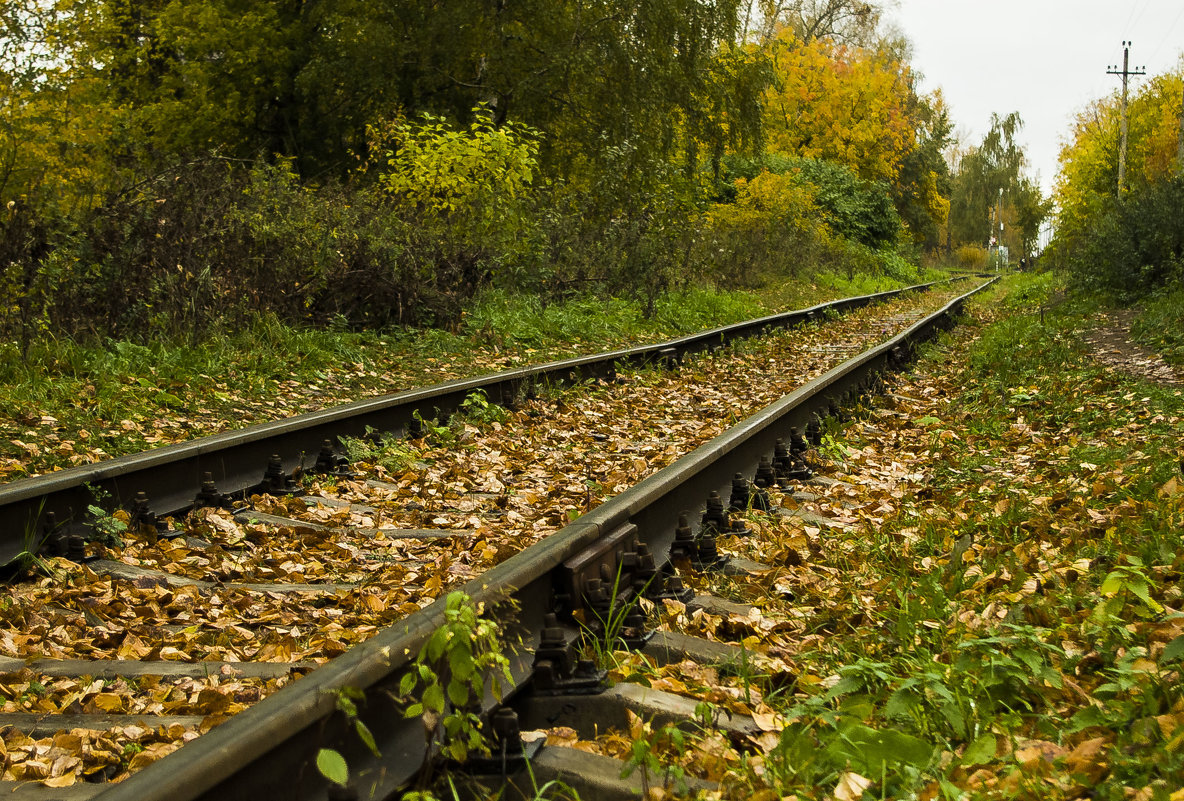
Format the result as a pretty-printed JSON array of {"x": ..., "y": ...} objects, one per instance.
[{"x": 851, "y": 786}]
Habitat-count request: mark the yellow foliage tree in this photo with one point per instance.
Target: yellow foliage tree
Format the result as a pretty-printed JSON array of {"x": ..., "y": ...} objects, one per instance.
[
  {"x": 843, "y": 104},
  {"x": 1089, "y": 161}
]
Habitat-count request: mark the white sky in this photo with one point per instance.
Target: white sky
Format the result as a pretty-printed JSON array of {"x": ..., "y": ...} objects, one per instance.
[{"x": 1043, "y": 58}]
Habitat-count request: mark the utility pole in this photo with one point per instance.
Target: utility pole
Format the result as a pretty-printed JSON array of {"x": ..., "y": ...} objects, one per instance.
[{"x": 1126, "y": 73}]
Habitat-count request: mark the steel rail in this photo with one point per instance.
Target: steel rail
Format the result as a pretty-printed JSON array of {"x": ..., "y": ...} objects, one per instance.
[
  {"x": 269, "y": 750},
  {"x": 171, "y": 476}
]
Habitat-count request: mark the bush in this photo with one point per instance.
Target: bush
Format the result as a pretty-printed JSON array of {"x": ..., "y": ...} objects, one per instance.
[
  {"x": 853, "y": 208},
  {"x": 971, "y": 257},
  {"x": 209, "y": 244},
  {"x": 1126, "y": 247},
  {"x": 771, "y": 228}
]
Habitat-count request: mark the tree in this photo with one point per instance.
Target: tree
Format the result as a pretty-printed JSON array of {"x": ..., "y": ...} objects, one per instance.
[
  {"x": 986, "y": 184},
  {"x": 1032, "y": 208},
  {"x": 851, "y": 22},
  {"x": 1133, "y": 244},
  {"x": 846, "y": 105},
  {"x": 921, "y": 190}
]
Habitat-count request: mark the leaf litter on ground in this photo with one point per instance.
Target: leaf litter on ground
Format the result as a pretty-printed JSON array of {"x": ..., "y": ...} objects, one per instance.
[
  {"x": 987, "y": 578},
  {"x": 500, "y": 486}
]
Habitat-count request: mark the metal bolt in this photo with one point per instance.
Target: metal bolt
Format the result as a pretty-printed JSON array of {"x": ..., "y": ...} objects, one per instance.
[
  {"x": 274, "y": 476},
  {"x": 766, "y": 476},
  {"x": 141, "y": 515},
  {"x": 765, "y": 479},
  {"x": 684, "y": 545},
  {"x": 328, "y": 460},
  {"x": 738, "y": 502},
  {"x": 716, "y": 517},
  {"x": 506, "y": 733},
  {"x": 208, "y": 495},
  {"x": 782, "y": 462},
  {"x": 814, "y": 431},
  {"x": 708, "y": 551},
  {"x": 75, "y": 548},
  {"x": 646, "y": 570}
]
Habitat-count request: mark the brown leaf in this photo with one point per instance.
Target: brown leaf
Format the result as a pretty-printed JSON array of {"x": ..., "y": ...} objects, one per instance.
[
  {"x": 1087, "y": 761},
  {"x": 211, "y": 701},
  {"x": 151, "y": 754}
]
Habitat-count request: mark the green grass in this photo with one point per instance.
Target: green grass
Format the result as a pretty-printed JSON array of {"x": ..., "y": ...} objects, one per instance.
[
  {"x": 517, "y": 320},
  {"x": 825, "y": 286},
  {"x": 1056, "y": 627},
  {"x": 1160, "y": 325}
]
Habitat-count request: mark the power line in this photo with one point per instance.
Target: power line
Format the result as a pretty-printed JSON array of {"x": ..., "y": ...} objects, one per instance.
[
  {"x": 1170, "y": 29},
  {"x": 1130, "y": 17},
  {"x": 1146, "y": 5},
  {"x": 1125, "y": 73}
]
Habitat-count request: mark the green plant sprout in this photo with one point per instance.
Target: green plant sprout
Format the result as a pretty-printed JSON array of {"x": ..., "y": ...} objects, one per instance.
[
  {"x": 448, "y": 680},
  {"x": 330, "y": 762}
]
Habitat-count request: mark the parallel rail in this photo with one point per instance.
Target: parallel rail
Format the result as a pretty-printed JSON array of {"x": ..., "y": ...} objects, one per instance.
[
  {"x": 269, "y": 750},
  {"x": 170, "y": 477}
]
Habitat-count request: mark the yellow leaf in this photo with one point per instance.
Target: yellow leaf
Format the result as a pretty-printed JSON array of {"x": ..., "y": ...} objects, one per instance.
[
  {"x": 65, "y": 780},
  {"x": 108, "y": 702}
]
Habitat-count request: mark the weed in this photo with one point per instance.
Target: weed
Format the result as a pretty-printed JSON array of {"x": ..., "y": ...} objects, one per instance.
[
  {"x": 431, "y": 428},
  {"x": 647, "y": 756},
  {"x": 330, "y": 762},
  {"x": 476, "y": 408},
  {"x": 389, "y": 452},
  {"x": 449, "y": 676},
  {"x": 107, "y": 527},
  {"x": 28, "y": 560}
]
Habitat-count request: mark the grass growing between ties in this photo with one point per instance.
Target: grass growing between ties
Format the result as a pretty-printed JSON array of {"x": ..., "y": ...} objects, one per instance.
[{"x": 992, "y": 608}]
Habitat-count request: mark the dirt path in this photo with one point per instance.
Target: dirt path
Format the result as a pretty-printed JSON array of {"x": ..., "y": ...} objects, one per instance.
[{"x": 1114, "y": 347}]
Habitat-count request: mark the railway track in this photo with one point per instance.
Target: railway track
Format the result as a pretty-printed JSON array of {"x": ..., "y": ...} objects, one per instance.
[{"x": 236, "y": 616}]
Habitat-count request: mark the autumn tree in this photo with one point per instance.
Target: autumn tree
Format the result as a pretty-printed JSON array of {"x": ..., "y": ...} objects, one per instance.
[
  {"x": 1133, "y": 243},
  {"x": 859, "y": 108},
  {"x": 990, "y": 189},
  {"x": 846, "y": 105}
]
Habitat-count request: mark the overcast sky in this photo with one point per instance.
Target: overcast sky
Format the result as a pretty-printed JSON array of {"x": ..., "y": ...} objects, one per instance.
[{"x": 1043, "y": 58}]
